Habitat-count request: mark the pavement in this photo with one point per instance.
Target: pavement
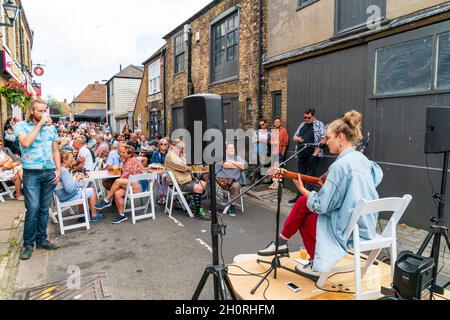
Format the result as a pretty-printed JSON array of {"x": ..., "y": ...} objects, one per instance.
[
  {"x": 161, "y": 259},
  {"x": 11, "y": 227}
]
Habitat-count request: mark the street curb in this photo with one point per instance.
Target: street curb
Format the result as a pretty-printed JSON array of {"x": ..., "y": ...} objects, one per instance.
[{"x": 10, "y": 264}]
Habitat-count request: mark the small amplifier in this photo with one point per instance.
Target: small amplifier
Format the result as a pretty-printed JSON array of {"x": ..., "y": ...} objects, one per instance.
[{"x": 413, "y": 276}]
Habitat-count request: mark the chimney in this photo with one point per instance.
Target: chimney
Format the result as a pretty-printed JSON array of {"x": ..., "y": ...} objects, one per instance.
[
  {"x": 96, "y": 85},
  {"x": 65, "y": 101},
  {"x": 120, "y": 67}
]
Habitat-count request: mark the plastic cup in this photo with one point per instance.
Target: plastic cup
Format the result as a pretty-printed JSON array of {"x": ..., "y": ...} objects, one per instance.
[
  {"x": 304, "y": 254},
  {"x": 115, "y": 170}
]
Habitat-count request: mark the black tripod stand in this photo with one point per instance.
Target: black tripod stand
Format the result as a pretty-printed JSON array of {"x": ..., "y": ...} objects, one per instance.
[
  {"x": 438, "y": 229},
  {"x": 222, "y": 283},
  {"x": 276, "y": 263}
]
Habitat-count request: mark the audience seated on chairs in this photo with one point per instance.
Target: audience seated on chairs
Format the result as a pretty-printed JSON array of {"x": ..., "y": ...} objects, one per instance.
[
  {"x": 11, "y": 171},
  {"x": 113, "y": 160},
  {"x": 85, "y": 158},
  {"x": 102, "y": 148},
  {"x": 176, "y": 163},
  {"x": 158, "y": 158},
  {"x": 230, "y": 175},
  {"x": 134, "y": 142},
  {"x": 131, "y": 167},
  {"x": 71, "y": 186}
]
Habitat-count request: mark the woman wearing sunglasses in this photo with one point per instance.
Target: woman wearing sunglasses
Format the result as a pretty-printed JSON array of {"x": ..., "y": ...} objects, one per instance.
[{"x": 158, "y": 158}]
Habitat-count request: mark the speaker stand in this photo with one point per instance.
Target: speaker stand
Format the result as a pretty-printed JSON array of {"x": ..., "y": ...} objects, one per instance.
[{"x": 438, "y": 230}]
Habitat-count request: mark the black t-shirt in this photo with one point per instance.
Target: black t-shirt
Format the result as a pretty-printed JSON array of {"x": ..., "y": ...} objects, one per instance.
[
  {"x": 135, "y": 145},
  {"x": 307, "y": 133}
]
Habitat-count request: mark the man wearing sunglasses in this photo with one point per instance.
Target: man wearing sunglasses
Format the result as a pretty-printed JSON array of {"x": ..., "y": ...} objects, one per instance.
[{"x": 310, "y": 131}]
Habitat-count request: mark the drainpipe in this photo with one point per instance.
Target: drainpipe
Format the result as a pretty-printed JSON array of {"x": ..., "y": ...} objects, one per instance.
[
  {"x": 163, "y": 55},
  {"x": 260, "y": 58},
  {"x": 21, "y": 38},
  {"x": 188, "y": 37}
]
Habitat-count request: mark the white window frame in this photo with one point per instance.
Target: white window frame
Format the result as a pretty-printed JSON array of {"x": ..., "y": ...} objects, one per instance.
[{"x": 154, "y": 77}]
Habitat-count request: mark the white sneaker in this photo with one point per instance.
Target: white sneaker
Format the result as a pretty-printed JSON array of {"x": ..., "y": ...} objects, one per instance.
[
  {"x": 270, "y": 250},
  {"x": 307, "y": 271}
]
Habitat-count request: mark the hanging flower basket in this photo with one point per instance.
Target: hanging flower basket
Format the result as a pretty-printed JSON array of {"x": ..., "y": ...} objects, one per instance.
[{"x": 17, "y": 94}]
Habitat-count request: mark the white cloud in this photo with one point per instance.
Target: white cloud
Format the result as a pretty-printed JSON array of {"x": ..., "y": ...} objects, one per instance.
[{"x": 86, "y": 40}]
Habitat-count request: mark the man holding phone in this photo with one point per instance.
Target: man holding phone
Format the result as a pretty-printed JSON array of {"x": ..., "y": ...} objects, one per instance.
[{"x": 41, "y": 173}]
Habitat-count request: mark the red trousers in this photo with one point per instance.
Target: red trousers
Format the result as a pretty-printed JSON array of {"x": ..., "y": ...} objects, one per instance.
[{"x": 303, "y": 220}]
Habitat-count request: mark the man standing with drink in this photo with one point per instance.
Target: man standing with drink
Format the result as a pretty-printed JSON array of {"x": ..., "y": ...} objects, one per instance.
[{"x": 41, "y": 173}]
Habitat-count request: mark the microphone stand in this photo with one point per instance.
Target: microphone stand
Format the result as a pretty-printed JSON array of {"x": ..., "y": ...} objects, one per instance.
[{"x": 276, "y": 262}]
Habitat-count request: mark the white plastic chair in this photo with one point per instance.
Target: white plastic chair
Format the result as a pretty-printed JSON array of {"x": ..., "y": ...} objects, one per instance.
[
  {"x": 99, "y": 189},
  {"x": 172, "y": 192},
  {"x": 98, "y": 164},
  {"x": 9, "y": 191},
  {"x": 387, "y": 239},
  {"x": 63, "y": 206},
  {"x": 241, "y": 205},
  {"x": 130, "y": 196}
]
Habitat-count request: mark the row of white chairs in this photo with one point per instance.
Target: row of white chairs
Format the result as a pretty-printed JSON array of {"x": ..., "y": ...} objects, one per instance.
[
  {"x": 148, "y": 209},
  {"x": 174, "y": 192}
]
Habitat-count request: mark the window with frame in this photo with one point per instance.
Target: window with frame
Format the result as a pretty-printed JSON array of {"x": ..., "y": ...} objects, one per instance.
[
  {"x": 225, "y": 48},
  {"x": 442, "y": 78},
  {"x": 248, "y": 110},
  {"x": 179, "y": 53},
  {"x": 154, "y": 76},
  {"x": 305, "y": 3},
  {"x": 276, "y": 104},
  {"x": 404, "y": 68},
  {"x": 354, "y": 14}
]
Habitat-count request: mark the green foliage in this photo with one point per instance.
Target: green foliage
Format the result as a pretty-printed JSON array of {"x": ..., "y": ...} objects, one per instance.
[
  {"x": 17, "y": 94},
  {"x": 52, "y": 102}
]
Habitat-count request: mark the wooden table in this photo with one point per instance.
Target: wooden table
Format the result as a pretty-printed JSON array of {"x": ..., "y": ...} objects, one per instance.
[{"x": 377, "y": 275}]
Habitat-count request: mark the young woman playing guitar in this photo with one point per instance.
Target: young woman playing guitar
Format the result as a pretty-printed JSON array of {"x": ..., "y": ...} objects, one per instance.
[{"x": 321, "y": 217}]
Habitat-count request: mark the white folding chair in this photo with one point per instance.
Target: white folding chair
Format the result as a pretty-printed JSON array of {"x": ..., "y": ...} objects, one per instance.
[
  {"x": 387, "y": 239},
  {"x": 63, "y": 206},
  {"x": 241, "y": 205},
  {"x": 175, "y": 191},
  {"x": 130, "y": 196},
  {"x": 9, "y": 191},
  {"x": 98, "y": 164}
]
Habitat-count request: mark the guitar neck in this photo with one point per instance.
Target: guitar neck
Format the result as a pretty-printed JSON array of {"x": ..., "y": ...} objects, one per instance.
[{"x": 305, "y": 178}]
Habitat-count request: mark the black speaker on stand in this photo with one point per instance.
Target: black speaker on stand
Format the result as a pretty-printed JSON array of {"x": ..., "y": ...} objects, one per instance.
[
  {"x": 202, "y": 112},
  {"x": 437, "y": 140}
]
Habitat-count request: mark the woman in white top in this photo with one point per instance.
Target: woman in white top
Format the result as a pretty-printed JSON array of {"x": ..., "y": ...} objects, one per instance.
[{"x": 12, "y": 171}]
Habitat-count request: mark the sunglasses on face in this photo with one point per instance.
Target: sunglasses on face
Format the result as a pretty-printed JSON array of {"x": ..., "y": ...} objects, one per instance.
[
  {"x": 308, "y": 118},
  {"x": 163, "y": 144},
  {"x": 262, "y": 124}
]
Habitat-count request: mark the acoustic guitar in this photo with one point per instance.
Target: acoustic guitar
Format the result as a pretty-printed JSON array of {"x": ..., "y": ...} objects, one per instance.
[{"x": 278, "y": 173}]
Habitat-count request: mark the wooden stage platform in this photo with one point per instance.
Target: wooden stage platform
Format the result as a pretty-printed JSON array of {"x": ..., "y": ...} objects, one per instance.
[{"x": 377, "y": 276}]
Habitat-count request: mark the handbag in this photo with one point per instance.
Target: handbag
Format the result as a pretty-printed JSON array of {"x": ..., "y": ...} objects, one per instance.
[{"x": 10, "y": 137}]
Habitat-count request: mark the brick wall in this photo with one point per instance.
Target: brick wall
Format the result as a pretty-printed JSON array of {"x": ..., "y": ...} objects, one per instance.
[
  {"x": 276, "y": 80},
  {"x": 246, "y": 86}
]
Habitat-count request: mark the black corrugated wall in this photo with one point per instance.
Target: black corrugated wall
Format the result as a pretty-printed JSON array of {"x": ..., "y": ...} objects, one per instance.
[{"x": 338, "y": 82}]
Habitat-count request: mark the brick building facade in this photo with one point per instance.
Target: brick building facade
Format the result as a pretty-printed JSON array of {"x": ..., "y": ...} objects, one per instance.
[
  {"x": 222, "y": 42},
  {"x": 149, "y": 109}
]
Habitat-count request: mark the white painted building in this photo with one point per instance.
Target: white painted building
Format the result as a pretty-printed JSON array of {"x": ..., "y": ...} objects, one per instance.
[{"x": 122, "y": 92}]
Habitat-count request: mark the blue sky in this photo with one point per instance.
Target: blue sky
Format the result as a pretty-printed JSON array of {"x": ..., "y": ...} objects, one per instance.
[{"x": 87, "y": 40}]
